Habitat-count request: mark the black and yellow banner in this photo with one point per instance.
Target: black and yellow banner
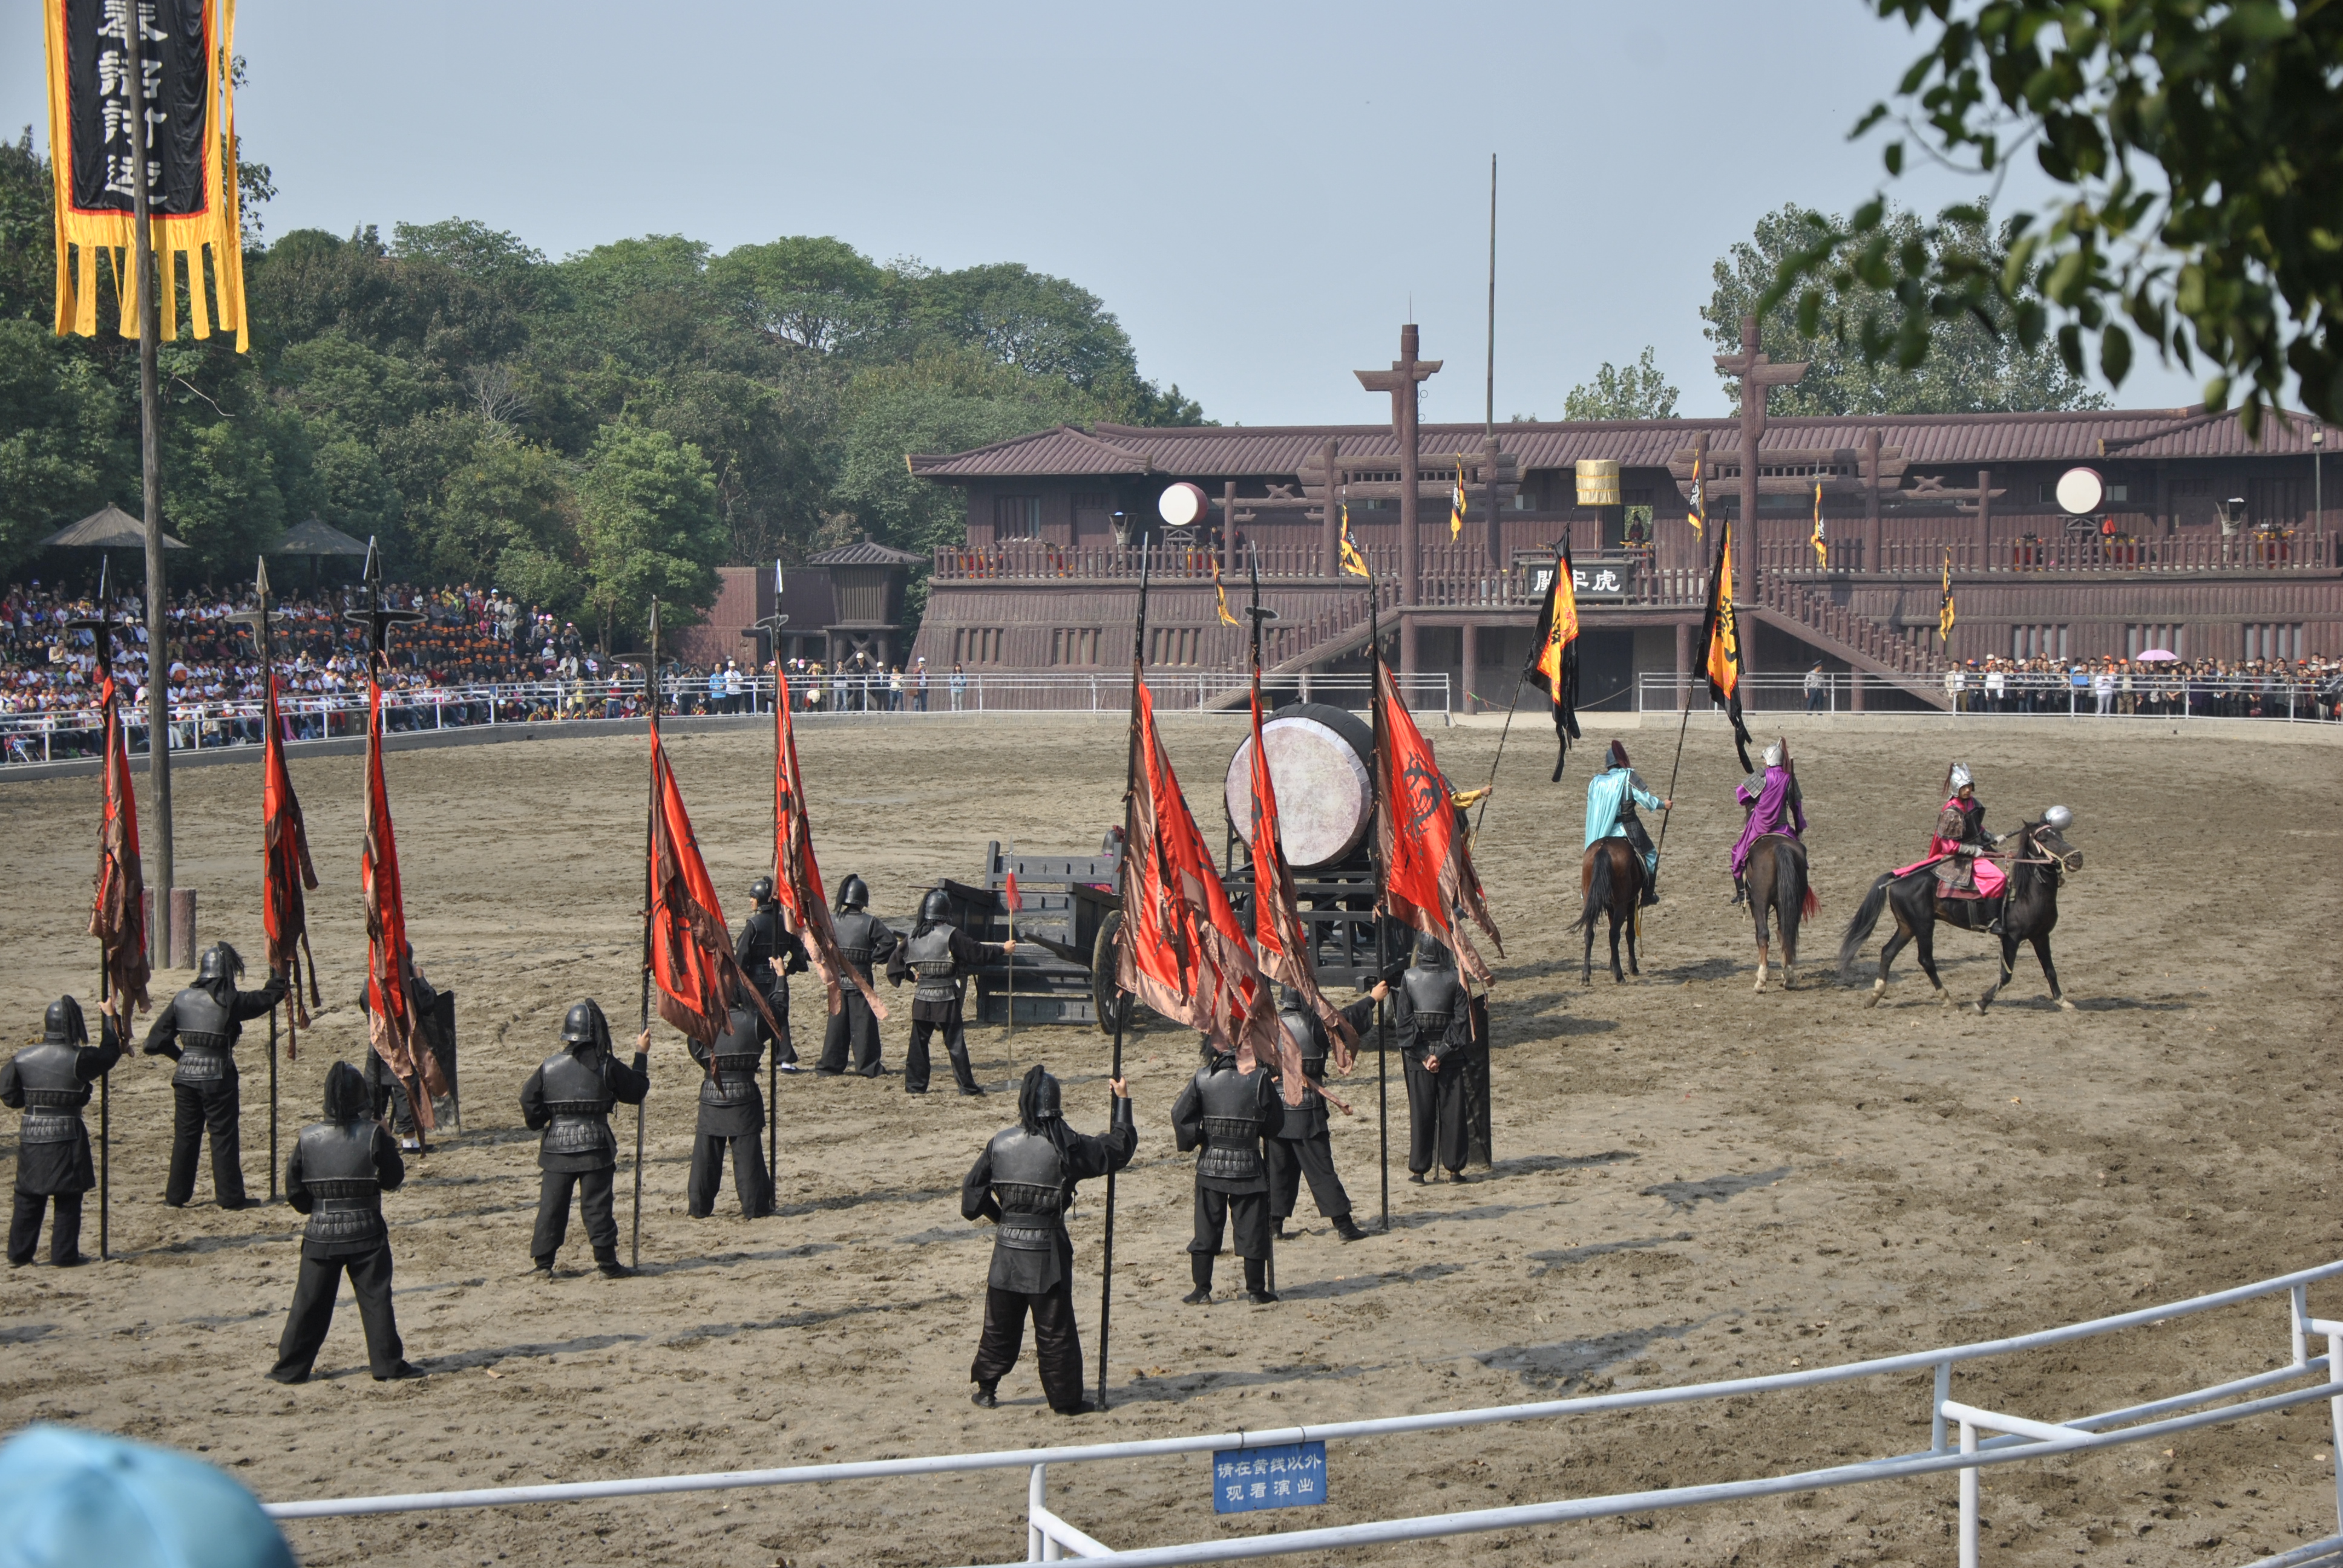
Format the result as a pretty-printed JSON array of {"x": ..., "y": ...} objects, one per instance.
[
  {"x": 1944, "y": 616},
  {"x": 95, "y": 103},
  {"x": 1354, "y": 561},
  {"x": 1721, "y": 643},
  {"x": 1554, "y": 656}
]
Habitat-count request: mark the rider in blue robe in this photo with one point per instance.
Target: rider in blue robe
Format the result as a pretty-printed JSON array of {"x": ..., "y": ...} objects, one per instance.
[{"x": 1612, "y": 798}]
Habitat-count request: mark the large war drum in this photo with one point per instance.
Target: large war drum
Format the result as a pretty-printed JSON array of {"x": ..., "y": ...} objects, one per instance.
[{"x": 1319, "y": 757}]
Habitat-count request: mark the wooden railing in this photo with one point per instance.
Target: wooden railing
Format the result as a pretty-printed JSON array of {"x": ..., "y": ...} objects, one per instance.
[{"x": 2191, "y": 552}]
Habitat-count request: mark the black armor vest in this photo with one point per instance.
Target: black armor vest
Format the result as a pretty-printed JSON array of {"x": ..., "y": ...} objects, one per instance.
[
  {"x": 53, "y": 1093},
  {"x": 207, "y": 1031},
  {"x": 1231, "y": 1104},
  {"x": 1029, "y": 1183},
  {"x": 858, "y": 937},
  {"x": 577, "y": 1099},
  {"x": 930, "y": 958},
  {"x": 337, "y": 1168},
  {"x": 736, "y": 1055},
  {"x": 1433, "y": 996},
  {"x": 1308, "y": 1039}
]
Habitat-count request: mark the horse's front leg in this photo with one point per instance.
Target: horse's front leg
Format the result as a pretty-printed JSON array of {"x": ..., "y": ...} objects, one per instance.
[{"x": 2049, "y": 970}]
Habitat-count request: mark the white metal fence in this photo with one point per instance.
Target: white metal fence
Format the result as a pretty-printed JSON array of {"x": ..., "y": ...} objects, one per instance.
[
  {"x": 2033, "y": 695},
  {"x": 52, "y": 735},
  {"x": 1956, "y": 1446}
]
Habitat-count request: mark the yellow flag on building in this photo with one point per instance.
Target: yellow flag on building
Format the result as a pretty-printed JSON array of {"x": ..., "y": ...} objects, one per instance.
[
  {"x": 1698, "y": 516},
  {"x": 1457, "y": 505},
  {"x": 1354, "y": 561},
  {"x": 1944, "y": 616},
  {"x": 1821, "y": 551}
]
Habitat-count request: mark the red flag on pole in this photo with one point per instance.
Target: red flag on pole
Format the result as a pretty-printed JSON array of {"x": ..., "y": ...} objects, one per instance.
[
  {"x": 1427, "y": 871},
  {"x": 1277, "y": 930},
  {"x": 797, "y": 876},
  {"x": 688, "y": 930},
  {"x": 1183, "y": 952},
  {"x": 286, "y": 872},
  {"x": 118, "y": 917},
  {"x": 391, "y": 1023}
]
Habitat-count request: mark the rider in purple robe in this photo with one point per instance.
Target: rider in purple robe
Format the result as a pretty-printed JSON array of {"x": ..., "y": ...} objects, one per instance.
[{"x": 1775, "y": 806}]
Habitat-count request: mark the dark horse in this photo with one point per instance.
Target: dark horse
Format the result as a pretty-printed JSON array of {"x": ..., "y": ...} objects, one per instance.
[
  {"x": 1611, "y": 876},
  {"x": 1775, "y": 876},
  {"x": 2029, "y": 909}
]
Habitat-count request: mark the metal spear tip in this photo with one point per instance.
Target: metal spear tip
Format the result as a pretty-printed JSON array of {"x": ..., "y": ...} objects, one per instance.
[{"x": 260, "y": 580}]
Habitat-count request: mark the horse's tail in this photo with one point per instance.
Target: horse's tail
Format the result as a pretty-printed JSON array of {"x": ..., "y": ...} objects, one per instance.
[
  {"x": 1598, "y": 892},
  {"x": 1859, "y": 929}
]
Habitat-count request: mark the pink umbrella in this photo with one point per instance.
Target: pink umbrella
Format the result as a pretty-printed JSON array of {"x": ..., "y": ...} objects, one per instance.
[{"x": 2156, "y": 656}]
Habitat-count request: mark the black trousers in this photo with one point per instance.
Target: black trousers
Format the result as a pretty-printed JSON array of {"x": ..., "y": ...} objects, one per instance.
[
  {"x": 594, "y": 1189},
  {"x": 852, "y": 1024},
  {"x": 915, "y": 1059},
  {"x": 313, "y": 1314},
  {"x": 1291, "y": 1159},
  {"x": 1057, "y": 1345},
  {"x": 212, "y": 1106},
  {"x": 748, "y": 1173},
  {"x": 1215, "y": 1210},
  {"x": 24, "y": 1227},
  {"x": 1435, "y": 1113}
]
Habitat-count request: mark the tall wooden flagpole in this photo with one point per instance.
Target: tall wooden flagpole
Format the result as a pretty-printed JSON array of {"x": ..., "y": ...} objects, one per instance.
[
  {"x": 262, "y": 623},
  {"x": 101, "y": 627},
  {"x": 1123, "y": 1000},
  {"x": 1375, "y": 781},
  {"x": 150, "y": 470},
  {"x": 771, "y": 626},
  {"x": 651, "y": 816}
]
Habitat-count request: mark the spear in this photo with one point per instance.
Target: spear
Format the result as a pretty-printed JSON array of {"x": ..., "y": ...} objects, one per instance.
[
  {"x": 1121, "y": 1002},
  {"x": 101, "y": 627},
  {"x": 1383, "y": 1021},
  {"x": 651, "y": 817}
]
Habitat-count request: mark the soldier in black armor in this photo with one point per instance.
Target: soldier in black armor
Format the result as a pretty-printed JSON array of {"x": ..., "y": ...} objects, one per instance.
[
  {"x": 768, "y": 954},
  {"x": 570, "y": 1097},
  {"x": 1300, "y": 1147},
  {"x": 387, "y": 1094},
  {"x": 1229, "y": 1113},
  {"x": 1023, "y": 1182},
  {"x": 865, "y": 942},
  {"x": 340, "y": 1168},
  {"x": 732, "y": 1116},
  {"x": 49, "y": 1083},
  {"x": 941, "y": 955},
  {"x": 198, "y": 1029},
  {"x": 1432, "y": 1018}
]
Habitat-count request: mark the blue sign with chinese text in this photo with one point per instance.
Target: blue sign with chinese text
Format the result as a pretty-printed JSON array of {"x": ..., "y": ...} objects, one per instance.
[{"x": 1287, "y": 1475}]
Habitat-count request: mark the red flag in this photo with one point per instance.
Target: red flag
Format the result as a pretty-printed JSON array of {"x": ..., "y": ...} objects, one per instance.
[
  {"x": 1183, "y": 952},
  {"x": 1011, "y": 896},
  {"x": 1277, "y": 930},
  {"x": 391, "y": 1023},
  {"x": 118, "y": 917},
  {"x": 797, "y": 877},
  {"x": 1427, "y": 871},
  {"x": 687, "y": 923},
  {"x": 286, "y": 872}
]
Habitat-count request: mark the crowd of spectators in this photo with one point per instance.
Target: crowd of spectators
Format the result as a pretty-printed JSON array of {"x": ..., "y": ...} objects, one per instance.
[{"x": 2161, "y": 688}]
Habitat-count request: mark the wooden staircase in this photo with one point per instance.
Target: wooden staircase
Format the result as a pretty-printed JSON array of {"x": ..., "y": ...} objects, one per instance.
[{"x": 1799, "y": 609}]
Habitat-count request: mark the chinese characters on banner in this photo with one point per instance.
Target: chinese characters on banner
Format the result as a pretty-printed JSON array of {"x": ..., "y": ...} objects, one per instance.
[
  {"x": 1286, "y": 1475},
  {"x": 171, "y": 41},
  {"x": 1588, "y": 580}
]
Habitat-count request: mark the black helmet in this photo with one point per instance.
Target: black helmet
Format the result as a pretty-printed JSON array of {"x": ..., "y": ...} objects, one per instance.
[
  {"x": 761, "y": 892},
  {"x": 584, "y": 1023},
  {"x": 1431, "y": 953},
  {"x": 935, "y": 909},
  {"x": 347, "y": 1098},
  {"x": 220, "y": 961},
  {"x": 1037, "y": 1100},
  {"x": 853, "y": 893},
  {"x": 64, "y": 1024},
  {"x": 1290, "y": 999}
]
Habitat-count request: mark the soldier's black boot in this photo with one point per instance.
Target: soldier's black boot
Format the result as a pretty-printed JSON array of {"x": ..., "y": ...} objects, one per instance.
[
  {"x": 607, "y": 1260},
  {"x": 986, "y": 1397},
  {"x": 1200, "y": 1269},
  {"x": 1348, "y": 1229},
  {"x": 1257, "y": 1289}
]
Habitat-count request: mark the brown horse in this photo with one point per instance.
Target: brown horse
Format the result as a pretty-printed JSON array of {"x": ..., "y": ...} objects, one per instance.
[
  {"x": 1610, "y": 878},
  {"x": 1775, "y": 876}
]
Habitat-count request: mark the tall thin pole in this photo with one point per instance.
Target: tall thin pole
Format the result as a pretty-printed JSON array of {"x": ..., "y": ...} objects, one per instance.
[
  {"x": 1489, "y": 403},
  {"x": 1383, "y": 1029},
  {"x": 1121, "y": 1002},
  {"x": 651, "y": 687},
  {"x": 150, "y": 469},
  {"x": 105, "y": 1102}
]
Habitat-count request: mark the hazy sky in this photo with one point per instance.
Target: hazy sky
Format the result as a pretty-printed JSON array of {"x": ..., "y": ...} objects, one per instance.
[{"x": 1257, "y": 191}]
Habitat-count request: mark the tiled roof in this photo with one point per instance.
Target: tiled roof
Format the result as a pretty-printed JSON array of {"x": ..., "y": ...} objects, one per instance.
[
  {"x": 865, "y": 552},
  {"x": 1208, "y": 452}
]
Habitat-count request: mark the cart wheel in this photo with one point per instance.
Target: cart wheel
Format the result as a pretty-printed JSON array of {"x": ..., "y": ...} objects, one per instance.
[{"x": 1105, "y": 996}]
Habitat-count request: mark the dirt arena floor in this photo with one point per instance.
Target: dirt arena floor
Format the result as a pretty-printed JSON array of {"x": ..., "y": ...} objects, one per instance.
[{"x": 1692, "y": 1181}]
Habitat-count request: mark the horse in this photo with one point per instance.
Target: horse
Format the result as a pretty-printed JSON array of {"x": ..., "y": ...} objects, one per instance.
[
  {"x": 2029, "y": 909},
  {"x": 1611, "y": 876},
  {"x": 1775, "y": 876}
]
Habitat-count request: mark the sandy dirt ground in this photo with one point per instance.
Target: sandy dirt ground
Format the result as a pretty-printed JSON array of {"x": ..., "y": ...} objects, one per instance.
[{"x": 1692, "y": 1181}]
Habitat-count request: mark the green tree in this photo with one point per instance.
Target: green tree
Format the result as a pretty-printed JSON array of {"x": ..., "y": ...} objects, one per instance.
[
  {"x": 646, "y": 527},
  {"x": 62, "y": 451},
  {"x": 819, "y": 295},
  {"x": 1638, "y": 391},
  {"x": 2196, "y": 149},
  {"x": 1976, "y": 365}
]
